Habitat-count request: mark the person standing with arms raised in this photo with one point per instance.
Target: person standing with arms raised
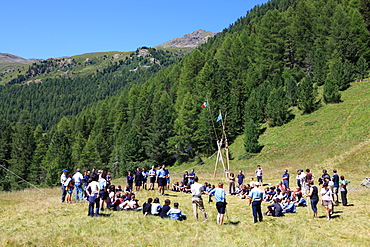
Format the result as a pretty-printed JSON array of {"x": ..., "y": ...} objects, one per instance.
[{"x": 197, "y": 190}]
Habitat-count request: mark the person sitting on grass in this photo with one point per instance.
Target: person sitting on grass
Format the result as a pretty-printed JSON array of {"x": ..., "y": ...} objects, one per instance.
[
  {"x": 127, "y": 189},
  {"x": 175, "y": 213},
  {"x": 283, "y": 196},
  {"x": 175, "y": 187},
  {"x": 119, "y": 188},
  {"x": 275, "y": 209},
  {"x": 243, "y": 194},
  {"x": 147, "y": 207},
  {"x": 165, "y": 208},
  {"x": 131, "y": 204},
  {"x": 298, "y": 199},
  {"x": 156, "y": 207},
  {"x": 289, "y": 206},
  {"x": 270, "y": 194},
  {"x": 181, "y": 187},
  {"x": 119, "y": 200}
]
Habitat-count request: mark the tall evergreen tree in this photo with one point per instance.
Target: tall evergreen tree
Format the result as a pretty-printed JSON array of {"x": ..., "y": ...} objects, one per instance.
[
  {"x": 57, "y": 158},
  {"x": 277, "y": 108},
  {"x": 23, "y": 147},
  {"x": 364, "y": 8},
  {"x": 6, "y": 133},
  {"x": 251, "y": 136},
  {"x": 90, "y": 156},
  {"x": 319, "y": 67},
  {"x": 361, "y": 68},
  {"x": 291, "y": 91},
  {"x": 184, "y": 127},
  {"x": 160, "y": 130},
  {"x": 307, "y": 93},
  {"x": 37, "y": 174},
  {"x": 331, "y": 93},
  {"x": 342, "y": 72}
]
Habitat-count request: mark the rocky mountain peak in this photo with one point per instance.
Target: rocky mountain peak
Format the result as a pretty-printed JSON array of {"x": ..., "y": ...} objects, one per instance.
[{"x": 190, "y": 40}]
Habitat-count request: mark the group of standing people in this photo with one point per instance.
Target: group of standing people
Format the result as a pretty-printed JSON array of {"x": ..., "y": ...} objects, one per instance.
[
  {"x": 91, "y": 187},
  {"x": 160, "y": 176}
]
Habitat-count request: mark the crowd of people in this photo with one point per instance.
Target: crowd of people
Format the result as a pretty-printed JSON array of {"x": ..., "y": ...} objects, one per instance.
[{"x": 96, "y": 188}]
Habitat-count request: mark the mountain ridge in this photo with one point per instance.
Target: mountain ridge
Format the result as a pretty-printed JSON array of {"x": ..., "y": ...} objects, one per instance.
[{"x": 190, "y": 40}]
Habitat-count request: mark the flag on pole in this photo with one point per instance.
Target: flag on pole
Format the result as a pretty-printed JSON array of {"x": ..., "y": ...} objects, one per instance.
[
  {"x": 205, "y": 104},
  {"x": 219, "y": 118}
]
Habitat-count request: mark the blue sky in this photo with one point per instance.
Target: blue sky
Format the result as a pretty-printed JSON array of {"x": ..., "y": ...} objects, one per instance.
[{"x": 55, "y": 28}]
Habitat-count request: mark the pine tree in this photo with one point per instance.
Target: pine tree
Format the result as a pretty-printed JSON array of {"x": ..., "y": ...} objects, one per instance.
[
  {"x": 77, "y": 147},
  {"x": 90, "y": 155},
  {"x": 364, "y": 8},
  {"x": 37, "y": 174},
  {"x": 331, "y": 93},
  {"x": 362, "y": 68},
  {"x": 319, "y": 67},
  {"x": 57, "y": 158},
  {"x": 342, "y": 72},
  {"x": 6, "y": 133},
  {"x": 291, "y": 91},
  {"x": 160, "y": 129},
  {"x": 184, "y": 126},
  {"x": 132, "y": 148},
  {"x": 277, "y": 108},
  {"x": 23, "y": 147},
  {"x": 251, "y": 136},
  {"x": 307, "y": 95}
]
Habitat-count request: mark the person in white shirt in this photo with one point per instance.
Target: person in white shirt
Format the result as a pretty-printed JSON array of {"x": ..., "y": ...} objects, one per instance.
[
  {"x": 197, "y": 190},
  {"x": 63, "y": 179},
  {"x": 92, "y": 191},
  {"x": 327, "y": 199},
  {"x": 78, "y": 184}
]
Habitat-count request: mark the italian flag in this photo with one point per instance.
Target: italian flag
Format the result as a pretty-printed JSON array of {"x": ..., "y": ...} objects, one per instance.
[{"x": 205, "y": 104}]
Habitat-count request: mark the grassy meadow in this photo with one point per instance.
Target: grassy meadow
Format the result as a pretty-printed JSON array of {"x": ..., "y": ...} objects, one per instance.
[{"x": 334, "y": 137}]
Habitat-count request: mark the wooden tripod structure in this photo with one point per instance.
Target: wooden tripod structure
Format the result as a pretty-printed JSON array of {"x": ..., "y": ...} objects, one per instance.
[
  {"x": 219, "y": 143},
  {"x": 219, "y": 153}
]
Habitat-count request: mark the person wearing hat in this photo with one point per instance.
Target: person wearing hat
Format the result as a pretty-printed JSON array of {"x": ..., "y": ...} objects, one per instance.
[
  {"x": 77, "y": 177},
  {"x": 255, "y": 199},
  {"x": 63, "y": 179}
]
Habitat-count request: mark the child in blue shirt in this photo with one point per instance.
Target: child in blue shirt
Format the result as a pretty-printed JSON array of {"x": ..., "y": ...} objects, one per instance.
[
  {"x": 175, "y": 213},
  {"x": 289, "y": 207}
]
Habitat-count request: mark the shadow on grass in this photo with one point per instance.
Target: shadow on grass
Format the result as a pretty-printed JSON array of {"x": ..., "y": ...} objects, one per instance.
[
  {"x": 170, "y": 195},
  {"x": 233, "y": 223},
  {"x": 103, "y": 215}
]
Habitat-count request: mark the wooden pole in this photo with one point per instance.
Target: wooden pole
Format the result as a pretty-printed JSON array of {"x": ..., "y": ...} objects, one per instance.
[
  {"x": 218, "y": 153},
  {"x": 223, "y": 121}
]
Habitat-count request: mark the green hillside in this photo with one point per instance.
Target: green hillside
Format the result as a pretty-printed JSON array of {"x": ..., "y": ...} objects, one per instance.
[
  {"x": 334, "y": 137},
  {"x": 51, "y": 89}
]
